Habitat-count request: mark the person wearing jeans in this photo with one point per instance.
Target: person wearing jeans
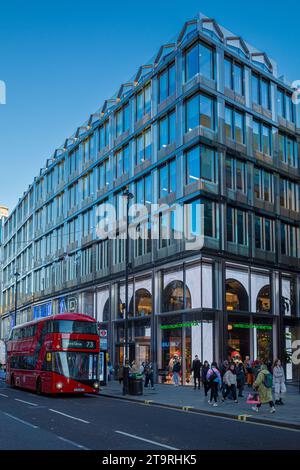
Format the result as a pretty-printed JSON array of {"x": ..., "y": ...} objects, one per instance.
[
  {"x": 214, "y": 380},
  {"x": 176, "y": 371}
]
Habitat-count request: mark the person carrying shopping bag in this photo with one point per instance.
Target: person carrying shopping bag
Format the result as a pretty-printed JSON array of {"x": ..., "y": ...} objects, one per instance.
[
  {"x": 263, "y": 384},
  {"x": 279, "y": 381}
]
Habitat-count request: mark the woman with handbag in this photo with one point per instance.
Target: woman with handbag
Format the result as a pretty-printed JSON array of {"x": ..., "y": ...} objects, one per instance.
[
  {"x": 230, "y": 382},
  {"x": 279, "y": 381}
]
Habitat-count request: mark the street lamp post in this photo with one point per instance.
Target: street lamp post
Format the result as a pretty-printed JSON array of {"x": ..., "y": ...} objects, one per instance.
[
  {"x": 16, "y": 274},
  {"x": 128, "y": 196}
]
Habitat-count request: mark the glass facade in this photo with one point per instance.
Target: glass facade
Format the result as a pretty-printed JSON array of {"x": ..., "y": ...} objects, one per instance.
[{"x": 203, "y": 128}]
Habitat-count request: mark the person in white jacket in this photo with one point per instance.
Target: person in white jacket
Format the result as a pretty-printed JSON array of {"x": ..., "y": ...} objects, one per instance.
[
  {"x": 279, "y": 381},
  {"x": 230, "y": 381}
]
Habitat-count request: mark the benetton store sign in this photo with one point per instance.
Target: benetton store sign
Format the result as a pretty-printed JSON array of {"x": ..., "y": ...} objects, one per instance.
[{"x": 235, "y": 325}]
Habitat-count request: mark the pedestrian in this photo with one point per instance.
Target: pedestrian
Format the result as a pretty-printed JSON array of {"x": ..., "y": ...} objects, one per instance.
[
  {"x": 176, "y": 371},
  {"x": 240, "y": 376},
  {"x": 134, "y": 368},
  {"x": 148, "y": 370},
  {"x": 230, "y": 382},
  {"x": 120, "y": 374},
  {"x": 126, "y": 372},
  {"x": 249, "y": 371},
  {"x": 205, "y": 369},
  {"x": 224, "y": 366},
  {"x": 214, "y": 380},
  {"x": 279, "y": 381},
  {"x": 270, "y": 367},
  {"x": 263, "y": 384},
  {"x": 256, "y": 368},
  {"x": 196, "y": 370},
  {"x": 142, "y": 368}
]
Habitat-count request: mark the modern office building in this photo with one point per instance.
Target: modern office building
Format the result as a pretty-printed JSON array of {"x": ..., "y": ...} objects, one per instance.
[
  {"x": 3, "y": 216},
  {"x": 208, "y": 120}
]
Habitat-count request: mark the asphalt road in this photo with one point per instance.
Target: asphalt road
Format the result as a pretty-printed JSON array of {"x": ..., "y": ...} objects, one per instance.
[{"x": 31, "y": 422}]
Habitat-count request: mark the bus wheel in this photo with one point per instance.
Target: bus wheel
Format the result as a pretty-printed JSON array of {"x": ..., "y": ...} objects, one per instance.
[
  {"x": 12, "y": 382},
  {"x": 38, "y": 387}
]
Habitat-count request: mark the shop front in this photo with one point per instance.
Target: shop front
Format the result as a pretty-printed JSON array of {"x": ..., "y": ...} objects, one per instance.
[
  {"x": 183, "y": 337},
  {"x": 251, "y": 337}
]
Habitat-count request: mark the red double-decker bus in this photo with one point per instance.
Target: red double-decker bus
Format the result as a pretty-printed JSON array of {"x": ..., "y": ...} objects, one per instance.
[{"x": 56, "y": 354}]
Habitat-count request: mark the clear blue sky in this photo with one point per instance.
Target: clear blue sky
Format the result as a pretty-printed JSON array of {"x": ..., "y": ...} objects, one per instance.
[{"x": 61, "y": 59}]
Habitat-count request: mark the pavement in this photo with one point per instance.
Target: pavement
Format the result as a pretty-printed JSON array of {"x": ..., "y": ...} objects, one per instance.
[
  {"x": 187, "y": 399},
  {"x": 38, "y": 422}
]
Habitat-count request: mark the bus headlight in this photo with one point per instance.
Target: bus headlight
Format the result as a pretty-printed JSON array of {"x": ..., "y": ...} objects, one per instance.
[
  {"x": 59, "y": 385},
  {"x": 96, "y": 385}
]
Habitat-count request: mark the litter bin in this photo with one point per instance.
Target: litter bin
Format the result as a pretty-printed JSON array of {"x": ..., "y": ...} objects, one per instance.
[{"x": 136, "y": 384}]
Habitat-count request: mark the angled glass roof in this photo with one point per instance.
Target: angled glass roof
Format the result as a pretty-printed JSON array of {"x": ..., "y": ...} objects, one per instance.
[{"x": 212, "y": 29}]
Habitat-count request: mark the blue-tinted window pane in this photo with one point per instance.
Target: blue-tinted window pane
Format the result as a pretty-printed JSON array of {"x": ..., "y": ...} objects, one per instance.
[
  {"x": 239, "y": 127},
  {"x": 173, "y": 176},
  {"x": 163, "y": 181},
  {"x": 192, "y": 113},
  {"x": 281, "y": 144},
  {"x": 268, "y": 235},
  {"x": 172, "y": 127},
  {"x": 163, "y": 86},
  {"x": 139, "y": 105},
  {"x": 228, "y": 73},
  {"x": 148, "y": 190},
  {"x": 240, "y": 176},
  {"x": 229, "y": 173},
  {"x": 126, "y": 158},
  {"x": 228, "y": 123},
  {"x": 191, "y": 63},
  {"x": 207, "y": 161},
  {"x": 266, "y": 136},
  {"x": 238, "y": 79},
  {"x": 209, "y": 219},
  {"x": 172, "y": 80},
  {"x": 290, "y": 109},
  {"x": 283, "y": 239},
  {"x": 206, "y": 112},
  {"x": 256, "y": 136},
  {"x": 280, "y": 103},
  {"x": 265, "y": 94},
  {"x": 193, "y": 165},
  {"x": 241, "y": 232},
  {"x": 255, "y": 89},
  {"x": 126, "y": 118},
  {"x": 257, "y": 183},
  {"x": 148, "y": 99},
  {"x": 163, "y": 132},
  {"x": 206, "y": 61},
  {"x": 230, "y": 228},
  {"x": 258, "y": 241}
]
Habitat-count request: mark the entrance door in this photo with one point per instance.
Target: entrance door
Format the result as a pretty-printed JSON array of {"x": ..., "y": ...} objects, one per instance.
[
  {"x": 238, "y": 337},
  {"x": 142, "y": 353},
  {"x": 263, "y": 339}
]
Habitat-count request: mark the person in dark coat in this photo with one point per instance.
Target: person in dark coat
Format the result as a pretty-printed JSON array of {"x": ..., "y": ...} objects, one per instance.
[
  {"x": 196, "y": 369},
  {"x": 204, "y": 371},
  {"x": 241, "y": 378},
  {"x": 148, "y": 371},
  {"x": 126, "y": 371}
]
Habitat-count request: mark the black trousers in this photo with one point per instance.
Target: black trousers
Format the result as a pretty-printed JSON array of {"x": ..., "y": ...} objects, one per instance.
[
  {"x": 214, "y": 391},
  {"x": 196, "y": 378},
  {"x": 206, "y": 387},
  {"x": 228, "y": 389}
]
